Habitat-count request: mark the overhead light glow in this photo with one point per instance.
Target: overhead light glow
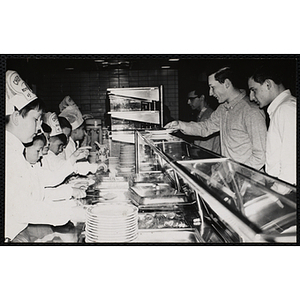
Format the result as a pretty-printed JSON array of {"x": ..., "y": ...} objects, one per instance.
[
  {"x": 173, "y": 59},
  {"x": 69, "y": 69},
  {"x": 165, "y": 67}
]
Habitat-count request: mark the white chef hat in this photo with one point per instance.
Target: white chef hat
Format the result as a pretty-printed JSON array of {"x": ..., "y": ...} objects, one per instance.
[
  {"x": 18, "y": 94},
  {"x": 51, "y": 120},
  {"x": 67, "y": 101},
  {"x": 73, "y": 115}
]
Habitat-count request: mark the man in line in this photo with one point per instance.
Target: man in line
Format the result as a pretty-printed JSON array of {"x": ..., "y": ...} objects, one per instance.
[
  {"x": 197, "y": 100},
  {"x": 267, "y": 89},
  {"x": 241, "y": 124}
]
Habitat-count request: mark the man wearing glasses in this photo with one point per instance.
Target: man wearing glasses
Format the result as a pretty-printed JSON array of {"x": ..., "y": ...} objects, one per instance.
[{"x": 197, "y": 100}]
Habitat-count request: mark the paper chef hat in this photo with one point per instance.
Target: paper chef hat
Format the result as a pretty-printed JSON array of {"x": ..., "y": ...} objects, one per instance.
[
  {"x": 51, "y": 120},
  {"x": 18, "y": 94},
  {"x": 67, "y": 101},
  {"x": 73, "y": 115}
]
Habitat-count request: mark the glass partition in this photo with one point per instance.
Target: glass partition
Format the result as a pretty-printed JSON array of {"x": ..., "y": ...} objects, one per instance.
[{"x": 251, "y": 204}]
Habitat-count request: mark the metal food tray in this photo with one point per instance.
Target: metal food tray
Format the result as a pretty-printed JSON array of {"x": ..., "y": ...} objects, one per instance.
[
  {"x": 162, "y": 219},
  {"x": 155, "y": 193},
  {"x": 178, "y": 235}
]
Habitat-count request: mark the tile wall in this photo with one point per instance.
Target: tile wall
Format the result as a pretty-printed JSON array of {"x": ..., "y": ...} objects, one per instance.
[{"x": 88, "y": 89}]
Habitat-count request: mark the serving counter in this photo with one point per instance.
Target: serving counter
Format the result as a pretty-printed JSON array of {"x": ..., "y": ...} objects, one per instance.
[
  {"x": 235, "y": 203},
  {"x": 186, "y": 194}
]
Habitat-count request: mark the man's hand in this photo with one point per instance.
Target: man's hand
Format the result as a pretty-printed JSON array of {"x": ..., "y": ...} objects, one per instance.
[
  {"x": 173, "y": 125},
  {"x": 79, "y": 193}
]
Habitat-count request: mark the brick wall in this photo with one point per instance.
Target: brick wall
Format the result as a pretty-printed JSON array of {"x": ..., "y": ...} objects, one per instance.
[{"x": 88, "y": 89}]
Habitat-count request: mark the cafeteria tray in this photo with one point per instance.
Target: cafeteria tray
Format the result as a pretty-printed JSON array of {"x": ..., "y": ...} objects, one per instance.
[
  {"x": 179, "y": 235},
  {"x": 155, "y": 193},
  {"x": 161, "y": 219}
]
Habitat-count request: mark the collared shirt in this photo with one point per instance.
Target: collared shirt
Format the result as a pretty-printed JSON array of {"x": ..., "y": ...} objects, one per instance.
[
  {"x": 21, "y": 192},
  {"x": 201, "y": 113},
  {"x": 281, "y": 157},
  {"x": 242, "y": 127},
  {"x": 211, "y": 143}
]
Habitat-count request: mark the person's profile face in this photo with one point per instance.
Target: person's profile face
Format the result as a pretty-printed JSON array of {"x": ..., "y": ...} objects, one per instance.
[
  {"x": 67, "y": 131},
  {"x": 259, "y": 93},
  {"x": 217, "y": 89},
  {"x": 46, "y": 147},
  {"x": 56, "y": 146},
  {"x": 80, "y": 133},
  {"x": 194, "y": 101},
  {"x": 34, "y": 152},
  {"x": 29, "y": 125}
]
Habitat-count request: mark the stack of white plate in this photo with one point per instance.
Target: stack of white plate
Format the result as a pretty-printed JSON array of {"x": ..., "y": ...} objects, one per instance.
[
  {"x": 127, "y": 158},
  {"x": 111, "y": 222}
]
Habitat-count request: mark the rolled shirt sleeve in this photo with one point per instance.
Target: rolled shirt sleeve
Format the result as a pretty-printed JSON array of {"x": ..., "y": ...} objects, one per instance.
[{"x": 205, "y": 128}]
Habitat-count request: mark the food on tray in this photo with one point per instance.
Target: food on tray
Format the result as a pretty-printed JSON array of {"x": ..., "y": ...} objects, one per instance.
[
  {"x": 81, "y": 183},
  {"x": 161, "y": 220},
  {"x": 155, "y": 193},
  {"x": 153, "y": 189}
]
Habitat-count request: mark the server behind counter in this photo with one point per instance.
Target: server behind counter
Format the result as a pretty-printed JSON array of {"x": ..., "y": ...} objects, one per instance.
[
  {"x": 23, "y": 120},
  {"x": 74, "y": 116}
]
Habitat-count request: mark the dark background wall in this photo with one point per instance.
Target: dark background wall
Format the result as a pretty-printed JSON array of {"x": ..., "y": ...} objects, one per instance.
[
  {"x": 86, "y": 82},
  {"x": 88, "y": 88},
  {"x": 86, "y": 79}
]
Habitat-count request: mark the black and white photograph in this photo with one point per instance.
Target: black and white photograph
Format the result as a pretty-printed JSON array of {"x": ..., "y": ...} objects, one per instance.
[
  {"x": 149, "y": 150},
  {"x": 157, "y": 149}
]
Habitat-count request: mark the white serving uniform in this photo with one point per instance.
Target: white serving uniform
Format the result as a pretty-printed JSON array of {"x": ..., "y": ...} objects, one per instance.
[
  {"x": 53, "y": 162},
  {"x": 70, "y": 148},
  {"x": 47, "y": 182},
  {"x": 21, "y": 194}
]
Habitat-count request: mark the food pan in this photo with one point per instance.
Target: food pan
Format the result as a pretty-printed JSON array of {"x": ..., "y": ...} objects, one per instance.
[
  {"x": 155, "y": 193},
  {"x": 161, "y": 219},
  {"x": 180, "y": 235}
]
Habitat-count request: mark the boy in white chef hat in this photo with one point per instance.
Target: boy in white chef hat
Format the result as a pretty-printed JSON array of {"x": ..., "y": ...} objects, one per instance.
[
  {"x": 52, "y": 161},
  {"x": 74, "y": 116},
  {"x": 22, "y": 118},
  {"x": 23, "y": 109},
  {"x": 57, "y": 141},
  {"x": 53, "y": 171},
  {"x": 47, "y": 181},
  {"x": 67, "y": 101}
]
